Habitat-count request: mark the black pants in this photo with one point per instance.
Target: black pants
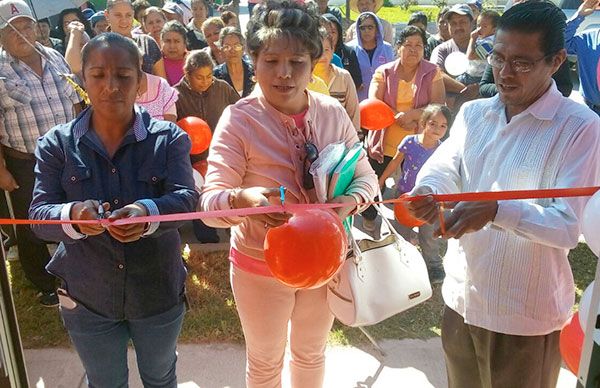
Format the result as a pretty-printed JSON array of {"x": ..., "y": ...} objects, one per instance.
[
  {"x": 371, "y": 213},
  {"x": 33, "y": 253}
]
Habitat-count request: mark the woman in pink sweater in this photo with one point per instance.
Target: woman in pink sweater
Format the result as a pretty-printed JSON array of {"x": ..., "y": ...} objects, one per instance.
[{"x": 266, "y": 140}]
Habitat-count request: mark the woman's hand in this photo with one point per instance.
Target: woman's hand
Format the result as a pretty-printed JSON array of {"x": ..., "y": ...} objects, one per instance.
[
  {"x": 76, "y": 28},
  {"x": 345, "y": 211},
  {"x": 88, "y": 210},
  {"x": 257, "y": 197},
  {"x": 130, "y": 232}
]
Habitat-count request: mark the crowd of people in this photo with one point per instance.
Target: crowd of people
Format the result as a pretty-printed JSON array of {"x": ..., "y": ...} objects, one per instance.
[{"x": 88, "y": 112}]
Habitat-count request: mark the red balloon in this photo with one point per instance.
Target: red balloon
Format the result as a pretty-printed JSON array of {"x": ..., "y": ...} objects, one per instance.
[
  {"x": 403, "y": 216},
  {"x": 375, "y": 114},
  {"x": 198, "y": 131},
  {"x": 308, "y": 250},
  {"x": 571, "y": 343}
]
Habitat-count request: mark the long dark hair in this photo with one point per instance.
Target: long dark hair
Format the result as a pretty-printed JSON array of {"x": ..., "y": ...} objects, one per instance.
[{"x": 58, "y": 31}]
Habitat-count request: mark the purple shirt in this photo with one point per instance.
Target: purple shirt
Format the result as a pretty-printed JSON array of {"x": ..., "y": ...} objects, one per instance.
[{"x": 415, "y": 156}]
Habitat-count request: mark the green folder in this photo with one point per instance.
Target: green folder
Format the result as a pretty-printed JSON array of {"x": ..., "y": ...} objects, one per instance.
[{"x": 342, "y": 176}]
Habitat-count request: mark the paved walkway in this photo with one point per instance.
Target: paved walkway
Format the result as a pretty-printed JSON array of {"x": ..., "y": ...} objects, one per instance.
[{"x": 409, "y": 363}]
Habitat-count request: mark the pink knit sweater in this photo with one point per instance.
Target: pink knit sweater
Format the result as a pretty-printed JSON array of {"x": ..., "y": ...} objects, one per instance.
[{"x": 256, "y": 145}]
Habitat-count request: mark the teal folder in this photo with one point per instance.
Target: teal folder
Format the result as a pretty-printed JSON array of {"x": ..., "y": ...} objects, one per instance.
[{"x": 342, "y": 177}]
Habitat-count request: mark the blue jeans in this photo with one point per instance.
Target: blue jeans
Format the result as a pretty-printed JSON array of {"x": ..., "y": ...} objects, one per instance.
[{"x": 102, "y": 346}]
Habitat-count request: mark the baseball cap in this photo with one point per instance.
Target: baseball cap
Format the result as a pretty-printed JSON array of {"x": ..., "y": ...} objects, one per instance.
[
  {"x": 460, "y": 9},
  {"x": 477, "y": 3},
  {"x": 172, "y": 8},
  {"x": 88, "y": 13},
  {"x": 98, "y": 16},
  {"x": 13, "y": 9}
]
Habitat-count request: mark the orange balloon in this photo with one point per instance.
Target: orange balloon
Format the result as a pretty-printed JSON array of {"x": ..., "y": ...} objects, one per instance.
[
  {"x": 308, "y": 250},
  {"x": 571, "y": 343},
  {"x": 403, "y": 216},
  {"x": 198, "y": 131},
  {"x": 375, "y": 114}
]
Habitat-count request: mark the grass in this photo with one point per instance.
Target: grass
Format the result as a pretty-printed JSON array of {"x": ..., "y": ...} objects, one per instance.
[
  {"x": 397, "y": 14},
  {"x": 213, "y": 317}
]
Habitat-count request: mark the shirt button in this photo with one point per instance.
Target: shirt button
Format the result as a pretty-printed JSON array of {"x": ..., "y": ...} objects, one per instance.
[
  {"x": 116, "y": 201},
  {"x": 113, "y": 170},
  {"x": 73, "y": 179},
  {"x": 121, "y": 266},
  {"x": 297, "y": 146},
  {"x": 154, "y": 179}
]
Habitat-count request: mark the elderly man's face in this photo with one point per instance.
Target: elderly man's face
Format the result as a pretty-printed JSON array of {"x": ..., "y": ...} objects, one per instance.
[
  {"x": 13, "y": 43},
  {"x": 518, "y": 90},
  {"x": 365, "y": 5}
]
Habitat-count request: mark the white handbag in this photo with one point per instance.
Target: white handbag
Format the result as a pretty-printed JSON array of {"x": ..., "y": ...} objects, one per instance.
[{"x": 380, "y": 278}]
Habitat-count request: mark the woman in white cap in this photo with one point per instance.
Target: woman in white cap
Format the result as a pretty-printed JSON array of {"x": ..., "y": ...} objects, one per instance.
[{"x": 360, "y": 6}]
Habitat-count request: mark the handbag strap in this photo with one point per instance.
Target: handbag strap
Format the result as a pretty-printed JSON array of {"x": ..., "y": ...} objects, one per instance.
[{"x": 384, "y": 219}]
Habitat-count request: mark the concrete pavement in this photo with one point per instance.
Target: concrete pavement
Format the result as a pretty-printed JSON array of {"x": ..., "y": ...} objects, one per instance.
[{"x": 409, "y": 363}]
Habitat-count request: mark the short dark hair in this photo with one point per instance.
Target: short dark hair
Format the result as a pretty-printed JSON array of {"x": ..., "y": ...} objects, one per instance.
[
  {"x": 492, "y": 16},
  {"x": 44, "y": 21},
  {"x": 139, "y": 5},
  {"x": 112, "y": 39},
  {"x": 418, "y": 17},
  {"x": 197, "y": 59},
  {"x": 442, "y": 14},
  {"x": 408, "y": 31},
  {"x": 174, "y": 26},
  {"x": 226, "y": 16},
  {"x": 543, "y": 18},
  {"x": 284, "y": 20}
]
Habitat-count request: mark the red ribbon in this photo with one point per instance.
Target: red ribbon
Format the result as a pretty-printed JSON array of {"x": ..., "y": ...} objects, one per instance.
[{"x": 292, "y": 208}]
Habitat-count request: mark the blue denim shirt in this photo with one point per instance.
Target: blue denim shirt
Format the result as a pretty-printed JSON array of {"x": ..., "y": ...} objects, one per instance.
[{"x": 152, "y": 165}]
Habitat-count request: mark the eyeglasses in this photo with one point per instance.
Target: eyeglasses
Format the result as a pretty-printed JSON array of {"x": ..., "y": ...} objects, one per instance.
[
  {"x": 368, "y": 27},
  {"x": 235, "y": 47},
  {"x": 518, "y": 65},
  {"x": 312, "y": 153}
]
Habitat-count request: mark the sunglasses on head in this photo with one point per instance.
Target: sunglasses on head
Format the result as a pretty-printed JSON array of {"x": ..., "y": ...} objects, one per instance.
[{"x": 312, "y": 153}]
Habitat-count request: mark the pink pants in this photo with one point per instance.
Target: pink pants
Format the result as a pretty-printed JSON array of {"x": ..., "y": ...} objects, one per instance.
[{"x": 265, "y": 307}]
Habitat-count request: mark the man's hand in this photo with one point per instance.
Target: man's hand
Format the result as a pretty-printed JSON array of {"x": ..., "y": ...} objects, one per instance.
[
  {"x": 425, "y": 209},
  {"x": 257, "y": 197},
  {"x": 587, "y": 7},
  {"x": 344, "y": 212},
  {"x": 88, "y": 210},
  {"x": 130, "y": 232},
  {"x": 7, "y": 182},
  {"x": 467, "y": 217}
]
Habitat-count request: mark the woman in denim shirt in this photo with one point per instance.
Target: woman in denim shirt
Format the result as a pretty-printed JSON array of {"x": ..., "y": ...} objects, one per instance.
[{"x": 114, "y": 161}]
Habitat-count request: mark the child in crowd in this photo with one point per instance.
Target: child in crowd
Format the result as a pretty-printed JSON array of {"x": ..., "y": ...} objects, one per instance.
[
  {"x": 174, "y": 49},
  {"x": 412, "y": 154},
  {"x": 480, "y": 46}
]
